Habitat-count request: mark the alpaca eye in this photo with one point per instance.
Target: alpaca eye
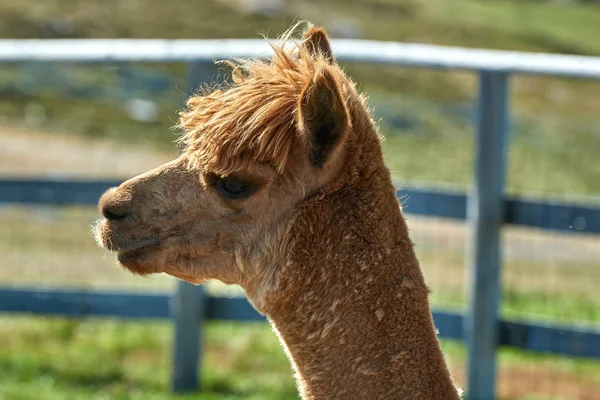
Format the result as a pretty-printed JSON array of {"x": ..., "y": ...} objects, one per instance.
[{"x": 232, "y": 187}]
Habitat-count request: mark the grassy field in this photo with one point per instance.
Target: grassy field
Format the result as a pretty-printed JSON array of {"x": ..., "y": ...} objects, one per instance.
[
  {"x": 554, "y": 152},
  {"x": 49, "y": 359}
]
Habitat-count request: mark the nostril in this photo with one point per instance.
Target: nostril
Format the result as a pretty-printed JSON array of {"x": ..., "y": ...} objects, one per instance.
[{"x": 114, "y": 215}]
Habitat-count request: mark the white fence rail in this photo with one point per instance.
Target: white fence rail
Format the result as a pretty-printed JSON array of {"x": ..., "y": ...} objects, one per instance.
[{"x": 364, "y": 51}]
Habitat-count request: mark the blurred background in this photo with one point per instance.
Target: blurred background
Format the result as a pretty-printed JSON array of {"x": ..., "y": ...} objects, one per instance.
[{"x": 114, "y": 121}]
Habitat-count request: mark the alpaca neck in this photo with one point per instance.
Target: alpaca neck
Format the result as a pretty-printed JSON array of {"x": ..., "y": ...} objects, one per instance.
[{"x": 351, "y": 306}]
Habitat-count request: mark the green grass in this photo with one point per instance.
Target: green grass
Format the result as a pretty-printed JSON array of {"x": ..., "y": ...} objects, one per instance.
[
  {"x": 563, "y": 168},
  {"x": 54, "y": 358}
]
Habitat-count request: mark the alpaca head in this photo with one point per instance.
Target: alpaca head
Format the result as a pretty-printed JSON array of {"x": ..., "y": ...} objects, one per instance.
[{"x": 252, "y": 152}]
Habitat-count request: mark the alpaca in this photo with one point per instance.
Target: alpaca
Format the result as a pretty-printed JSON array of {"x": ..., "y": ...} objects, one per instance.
[{"x": 281, "y": 188}]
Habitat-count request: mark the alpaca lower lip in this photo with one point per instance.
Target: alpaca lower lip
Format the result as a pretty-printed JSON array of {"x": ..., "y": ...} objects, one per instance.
[
  {"x": 127, "y": 256},
  {"x": 138, "y": 245}
]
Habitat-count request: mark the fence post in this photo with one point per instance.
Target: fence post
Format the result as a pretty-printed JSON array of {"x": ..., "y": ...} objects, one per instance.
[
  {"x": 187, "y": 313},
  {"x": 485, "y": 214},
  {"x": 188, "y": 302}
]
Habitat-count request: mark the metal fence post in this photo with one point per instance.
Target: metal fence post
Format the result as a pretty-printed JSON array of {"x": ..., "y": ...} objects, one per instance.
[
  {"x": 188, "y": 303},
  {"x": 187, "y": 313},
  {"x": 485, "y": 214}
]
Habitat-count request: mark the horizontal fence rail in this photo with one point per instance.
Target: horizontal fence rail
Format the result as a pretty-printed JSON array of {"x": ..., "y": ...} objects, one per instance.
[
  {"x": 346, "y": 50},
  {"x": 546, "y": 215},
  {"x": 537, "y": 337}
]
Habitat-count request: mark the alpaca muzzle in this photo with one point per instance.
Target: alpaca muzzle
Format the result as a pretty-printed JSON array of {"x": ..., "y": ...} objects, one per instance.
[{"x": 115, "y": 205}]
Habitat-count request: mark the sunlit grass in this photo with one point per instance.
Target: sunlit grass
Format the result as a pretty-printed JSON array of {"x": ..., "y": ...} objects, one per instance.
[{"x": 54, "y": 358}]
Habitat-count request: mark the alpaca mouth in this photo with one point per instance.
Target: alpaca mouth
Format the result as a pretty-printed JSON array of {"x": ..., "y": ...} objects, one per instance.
[
  {"x": 138, "y": 245},
  {"x": 107, "y": 239},
  {"x": 135, "y": 256}
]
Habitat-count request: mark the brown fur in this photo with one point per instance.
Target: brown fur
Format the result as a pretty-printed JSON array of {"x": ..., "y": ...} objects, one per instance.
[
  {"x": 256, "y": 118},
  {"x": 319, "y": 245}
]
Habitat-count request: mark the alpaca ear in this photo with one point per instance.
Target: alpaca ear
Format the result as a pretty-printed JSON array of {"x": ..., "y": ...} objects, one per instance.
[
  {"x": 317, "y": 42},
  {"x": 322, "y": 117}
]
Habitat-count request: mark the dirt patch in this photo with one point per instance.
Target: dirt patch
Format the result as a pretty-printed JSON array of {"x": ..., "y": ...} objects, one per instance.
[
  {"x": 27, "y": 153},
  {"x": 539, "y": 382},
  {"x": 519, "y": 243}
]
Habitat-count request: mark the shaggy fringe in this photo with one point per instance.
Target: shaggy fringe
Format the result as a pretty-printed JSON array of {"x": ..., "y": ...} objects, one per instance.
[{"x": 254, "y": 118}]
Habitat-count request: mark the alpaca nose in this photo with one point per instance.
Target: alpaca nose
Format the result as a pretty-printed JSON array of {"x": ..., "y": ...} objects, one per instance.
[
  {"x": 114, "y": 214},
  {"x": 115, "y": 205}
]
